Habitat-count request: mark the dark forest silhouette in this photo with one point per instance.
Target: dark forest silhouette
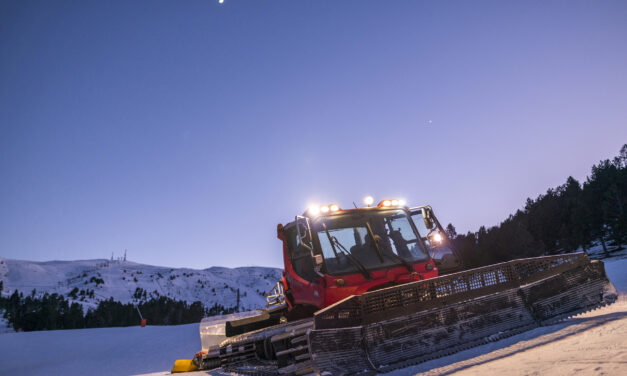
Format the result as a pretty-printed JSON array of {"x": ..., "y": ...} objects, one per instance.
[
  {"x": 53, "y": 311},
  {"x": 564, "y": 219}
]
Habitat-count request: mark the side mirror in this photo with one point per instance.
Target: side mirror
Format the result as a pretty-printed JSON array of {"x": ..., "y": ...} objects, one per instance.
[{"x": 426, "y": 217}]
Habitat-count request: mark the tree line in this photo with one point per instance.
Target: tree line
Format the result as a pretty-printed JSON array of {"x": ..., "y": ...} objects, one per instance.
[
  {"x": 564, "y": 219},
  {"x": 54, "y": 311}
]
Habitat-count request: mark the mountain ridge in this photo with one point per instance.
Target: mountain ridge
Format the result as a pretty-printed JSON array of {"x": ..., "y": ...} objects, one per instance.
[{"x": 90, "y": 281}]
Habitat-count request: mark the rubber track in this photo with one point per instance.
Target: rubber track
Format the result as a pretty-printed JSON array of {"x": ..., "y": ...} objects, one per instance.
[{"x": 238, "y": 354}]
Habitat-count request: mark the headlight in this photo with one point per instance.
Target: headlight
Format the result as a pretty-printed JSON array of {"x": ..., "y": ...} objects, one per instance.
[{"x": 314, "y": 210}]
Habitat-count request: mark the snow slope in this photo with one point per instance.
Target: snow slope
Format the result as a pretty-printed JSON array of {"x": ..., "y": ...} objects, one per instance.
[
  {"x": 120, "y": 279},
  {"x": 589, "y": 344}
]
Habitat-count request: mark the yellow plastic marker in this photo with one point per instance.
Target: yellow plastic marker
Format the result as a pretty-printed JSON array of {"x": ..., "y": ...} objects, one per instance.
[{"x": 184, "y": 365}]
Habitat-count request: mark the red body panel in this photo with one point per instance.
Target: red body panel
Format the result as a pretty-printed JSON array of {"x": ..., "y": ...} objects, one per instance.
[
  {"x": 357, "y": 284},
  {"x": 323, "y": 292}
]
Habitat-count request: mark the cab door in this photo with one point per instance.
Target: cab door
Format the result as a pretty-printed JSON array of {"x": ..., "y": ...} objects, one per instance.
[
  {"x": 446, "y": 257},
  {"x": 302, "y": 273}
]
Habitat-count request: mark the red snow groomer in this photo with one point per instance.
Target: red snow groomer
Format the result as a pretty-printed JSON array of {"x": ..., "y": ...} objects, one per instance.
[{"x": 371, "y": 289}]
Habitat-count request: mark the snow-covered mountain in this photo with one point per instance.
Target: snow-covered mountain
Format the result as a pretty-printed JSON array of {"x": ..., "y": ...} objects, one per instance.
[{"x": 91, "y": 281}]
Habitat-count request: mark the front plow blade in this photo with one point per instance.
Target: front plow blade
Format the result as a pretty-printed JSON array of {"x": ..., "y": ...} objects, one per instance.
[
  {"x": 395, "y": 327},
  {"x": 184, "y": 365}
]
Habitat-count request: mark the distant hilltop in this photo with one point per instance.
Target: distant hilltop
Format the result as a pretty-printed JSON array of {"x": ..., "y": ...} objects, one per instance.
[{"x": 90, "y": 281}]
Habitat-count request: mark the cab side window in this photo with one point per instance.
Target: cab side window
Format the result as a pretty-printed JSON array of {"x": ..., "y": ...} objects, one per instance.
[
  {"x": 443, "y": 256},
  {"x": 422, "y": 229}
]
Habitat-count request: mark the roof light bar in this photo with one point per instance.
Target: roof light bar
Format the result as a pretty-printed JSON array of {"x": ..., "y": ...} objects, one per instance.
[
  {"x": 392, "y": 203},
  {"x": 315, "y": 210}
]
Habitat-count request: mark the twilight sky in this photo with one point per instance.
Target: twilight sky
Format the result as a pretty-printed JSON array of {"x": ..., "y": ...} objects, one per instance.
[{"x": 184, "y": 131}]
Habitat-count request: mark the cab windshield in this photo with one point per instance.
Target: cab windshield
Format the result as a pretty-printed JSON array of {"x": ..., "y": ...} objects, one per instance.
[{"x": 348, "y": 247}]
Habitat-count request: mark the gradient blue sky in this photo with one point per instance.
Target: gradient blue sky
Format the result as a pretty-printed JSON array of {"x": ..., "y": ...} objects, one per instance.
[{"x": 184, "y": 131}]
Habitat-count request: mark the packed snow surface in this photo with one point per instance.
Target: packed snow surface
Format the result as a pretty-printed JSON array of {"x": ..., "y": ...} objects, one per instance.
[{"x": 589, "y": 344}]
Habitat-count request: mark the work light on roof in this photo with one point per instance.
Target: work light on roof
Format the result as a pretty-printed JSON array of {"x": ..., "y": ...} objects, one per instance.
[
  {"x": 316, "y": 210},
  {"x": 392, "y": 203}
]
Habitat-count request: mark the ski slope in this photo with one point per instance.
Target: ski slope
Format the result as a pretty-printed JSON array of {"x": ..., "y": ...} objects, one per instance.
[{"x": 589, "y": 344}]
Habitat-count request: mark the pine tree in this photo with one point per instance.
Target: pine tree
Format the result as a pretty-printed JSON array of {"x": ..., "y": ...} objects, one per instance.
[{"x": 450, "y": 231}]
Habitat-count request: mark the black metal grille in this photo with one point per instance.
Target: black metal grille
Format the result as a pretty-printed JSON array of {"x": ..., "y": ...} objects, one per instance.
[
  {"x": 419, "y": 321},
  {"x": 344, "y": 313},
  {"x": 437, "y": 292}
]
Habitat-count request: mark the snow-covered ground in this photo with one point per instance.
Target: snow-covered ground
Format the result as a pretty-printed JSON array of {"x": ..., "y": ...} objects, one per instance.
[
  {"x": 121, "y": 279},
  {"x": 589, "y": 344},
  {"x": 101, "y": 351}
]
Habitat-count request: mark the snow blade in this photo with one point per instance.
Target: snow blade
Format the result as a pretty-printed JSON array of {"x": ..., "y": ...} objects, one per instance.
[
  {"x": 184, "y": 365},
  {"x": 398, "y": 326}
]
